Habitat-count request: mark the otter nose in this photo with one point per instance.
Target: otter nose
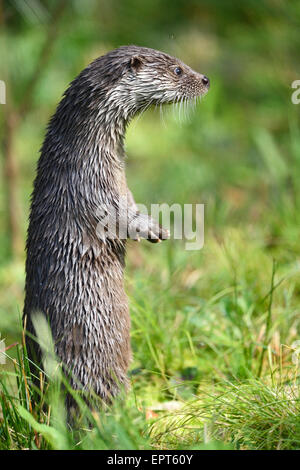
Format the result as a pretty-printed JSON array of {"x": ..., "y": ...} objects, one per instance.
[{"x": 205, "y": 81}]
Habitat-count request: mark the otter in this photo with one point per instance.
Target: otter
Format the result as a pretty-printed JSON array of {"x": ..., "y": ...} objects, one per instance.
[{"x": 74, "y": 277}]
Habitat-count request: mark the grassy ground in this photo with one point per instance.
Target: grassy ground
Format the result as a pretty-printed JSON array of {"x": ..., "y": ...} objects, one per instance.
[
  {"x": 215, "y": 332},
  {"x": 213, "y": 364}
]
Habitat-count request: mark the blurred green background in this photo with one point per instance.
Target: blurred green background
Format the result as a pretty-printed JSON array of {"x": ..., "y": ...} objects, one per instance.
[{"x": 238, "y": 153}]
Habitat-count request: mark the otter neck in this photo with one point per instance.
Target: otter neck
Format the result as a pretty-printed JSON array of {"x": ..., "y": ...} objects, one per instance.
[
  {"x": 88, "y": 129},
  {"x": 104, "y": 131}
]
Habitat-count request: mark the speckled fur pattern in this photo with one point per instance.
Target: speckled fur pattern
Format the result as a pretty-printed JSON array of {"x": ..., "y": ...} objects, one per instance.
[{"x": 82, "y": 167}]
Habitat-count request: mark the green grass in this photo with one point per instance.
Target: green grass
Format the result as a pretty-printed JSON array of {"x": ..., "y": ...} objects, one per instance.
[
  {"x": 35, "y": 418},
  {"x": 212, "y": 367},
  {"x": 242, "y": 415}
]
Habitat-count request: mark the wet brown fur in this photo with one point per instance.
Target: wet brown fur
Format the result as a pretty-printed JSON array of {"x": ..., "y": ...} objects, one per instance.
[{"x": 72, "y": 277}]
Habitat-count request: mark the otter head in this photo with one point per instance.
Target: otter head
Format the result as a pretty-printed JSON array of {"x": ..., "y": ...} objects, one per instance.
[
  {"x": 127, "y": 80},
  {"x": 157, "y": 78}
]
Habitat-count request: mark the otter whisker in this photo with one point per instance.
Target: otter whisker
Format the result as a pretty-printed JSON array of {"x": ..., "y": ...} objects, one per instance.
[
  {"x": 162, "y": 114},
  {"x": 147, "y": 106}
]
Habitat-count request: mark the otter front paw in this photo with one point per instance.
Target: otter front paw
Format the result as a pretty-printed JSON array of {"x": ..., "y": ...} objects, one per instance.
[{"x": 143, "y": 226}]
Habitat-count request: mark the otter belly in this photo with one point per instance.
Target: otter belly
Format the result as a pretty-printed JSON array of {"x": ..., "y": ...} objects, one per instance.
[{"x": 84, "y": 301}]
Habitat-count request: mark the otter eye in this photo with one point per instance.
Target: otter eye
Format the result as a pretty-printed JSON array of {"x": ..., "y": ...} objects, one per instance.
[{"x": 178, "y": 71}]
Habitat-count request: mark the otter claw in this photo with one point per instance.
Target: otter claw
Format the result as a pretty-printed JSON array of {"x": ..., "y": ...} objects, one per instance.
[{"x": 147, "y": 228}]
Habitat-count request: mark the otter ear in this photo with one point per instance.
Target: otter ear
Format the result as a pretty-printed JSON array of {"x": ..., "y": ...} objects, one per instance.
[{"x": 136, "y": 62}]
